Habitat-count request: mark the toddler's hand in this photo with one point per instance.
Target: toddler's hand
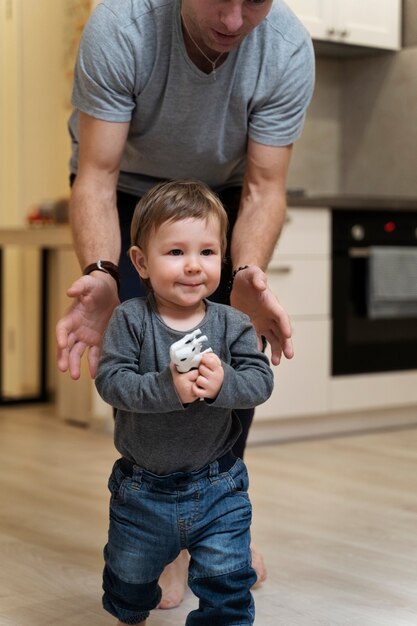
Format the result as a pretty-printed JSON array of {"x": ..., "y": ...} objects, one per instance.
[
  {"x": 210, "y": 376},
  {"x": 184, "y": 384}
]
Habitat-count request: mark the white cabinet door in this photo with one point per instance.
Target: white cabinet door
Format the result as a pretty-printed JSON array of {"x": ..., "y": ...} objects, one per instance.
[
  {"x": 301, "y": 284},
  {"x": 306, "y": 231},
  {"x": 299, "y": 275},
  {"x": 373, "y": 391},
  {"x": 316, "y": 15},
  {"x": 374, "y": 23},
  {"x": 302, "y": 384}
]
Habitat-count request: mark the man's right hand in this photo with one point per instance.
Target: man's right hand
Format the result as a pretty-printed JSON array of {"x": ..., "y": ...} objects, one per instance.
[{"x": 82, "y": 326}]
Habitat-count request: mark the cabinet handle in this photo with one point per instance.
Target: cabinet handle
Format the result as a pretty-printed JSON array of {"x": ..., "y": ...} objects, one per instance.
[
  {"x": 280, "y": 269},
  {"x": 344, "y": 33},
  {"x": 330, "y": 32}
]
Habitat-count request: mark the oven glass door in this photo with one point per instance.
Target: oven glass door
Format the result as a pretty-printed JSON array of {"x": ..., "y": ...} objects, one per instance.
[{"x": 360, "y": 343}]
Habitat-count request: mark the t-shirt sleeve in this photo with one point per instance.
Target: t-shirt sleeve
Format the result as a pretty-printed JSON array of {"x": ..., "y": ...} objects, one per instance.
[
  {"x": 279, "y": 119},
  {"x": 104, "y": 70}
]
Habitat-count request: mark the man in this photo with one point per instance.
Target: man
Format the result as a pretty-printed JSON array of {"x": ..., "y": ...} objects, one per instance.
[{"x": 214, "y": 90}]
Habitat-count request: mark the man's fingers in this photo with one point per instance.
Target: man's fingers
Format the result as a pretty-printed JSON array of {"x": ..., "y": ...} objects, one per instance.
[
  {"x": 279, "y": 345},
  {"x": 62, "y": 359},
  {"x": 80, "y": 287},
  {"x": 275, "y": 346},
  {"x": 288, "y": 348},
  {"x": 259, "y": 281},
  {"x": 61, "y": 333},
  {"x": 93, "y": 357},
  {"x": 75, "y": 356}
]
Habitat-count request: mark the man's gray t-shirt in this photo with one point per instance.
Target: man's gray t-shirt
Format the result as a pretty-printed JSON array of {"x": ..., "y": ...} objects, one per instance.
[
  {"x": 133, "y": 67},
  {"x": 153, "y": 428}
]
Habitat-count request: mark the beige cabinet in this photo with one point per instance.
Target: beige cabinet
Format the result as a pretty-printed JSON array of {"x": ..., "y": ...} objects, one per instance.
[
  {"x": 299, "y": 275},
  {"x": 374, "y": 23}
]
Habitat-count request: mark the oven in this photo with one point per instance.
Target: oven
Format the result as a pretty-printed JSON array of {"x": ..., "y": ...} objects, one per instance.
[{"x": 374, "y": 291}]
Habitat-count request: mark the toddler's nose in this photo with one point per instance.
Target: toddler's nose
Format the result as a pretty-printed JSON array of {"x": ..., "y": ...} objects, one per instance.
[{"x": 192, "y": 265}]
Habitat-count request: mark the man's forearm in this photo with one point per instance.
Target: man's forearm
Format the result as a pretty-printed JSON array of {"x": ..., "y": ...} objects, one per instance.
[
  {"x": 93, "y": 212},
  {"x": 94, "y": 223},
  {"x": 263, "y": 205},
  {"x": 257, "y": 229}
]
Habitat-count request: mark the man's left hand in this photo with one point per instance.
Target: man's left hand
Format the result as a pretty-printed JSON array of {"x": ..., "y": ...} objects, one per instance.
[{"x": 252, "y": 295}]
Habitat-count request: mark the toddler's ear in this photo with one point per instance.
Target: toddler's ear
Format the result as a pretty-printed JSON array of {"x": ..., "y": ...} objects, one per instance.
[{"x": 138, "y": 258}]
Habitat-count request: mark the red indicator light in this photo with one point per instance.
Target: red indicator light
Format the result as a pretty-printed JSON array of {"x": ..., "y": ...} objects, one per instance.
[{"x": 389, "y": 227}]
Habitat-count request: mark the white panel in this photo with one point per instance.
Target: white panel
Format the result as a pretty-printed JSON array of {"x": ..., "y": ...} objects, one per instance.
[
  {"x": 374, "y": 23},
  {"x": 301, "y": 284},
  {"x": 10, "y": 114},
  {"x": 314, "y": 14},
  {"x": 373, "y": 391},
  {"x": 306, "y": 231},
  {"x": 301, "y": 384}
]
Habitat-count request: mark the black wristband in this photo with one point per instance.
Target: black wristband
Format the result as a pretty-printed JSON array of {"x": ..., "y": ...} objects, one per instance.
[
  {"x": 104, "y": 266},
  {"x": 239, "y": 269}
]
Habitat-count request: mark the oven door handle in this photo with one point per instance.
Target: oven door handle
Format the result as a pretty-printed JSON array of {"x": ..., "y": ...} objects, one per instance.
[{"x": 358, "y": 253}]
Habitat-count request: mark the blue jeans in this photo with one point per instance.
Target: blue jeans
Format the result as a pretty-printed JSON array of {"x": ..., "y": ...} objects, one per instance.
[{"x": 152, "y": 518}]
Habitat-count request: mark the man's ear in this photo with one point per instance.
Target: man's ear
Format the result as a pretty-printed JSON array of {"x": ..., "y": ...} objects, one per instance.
[{"x": 138, "y": 258}]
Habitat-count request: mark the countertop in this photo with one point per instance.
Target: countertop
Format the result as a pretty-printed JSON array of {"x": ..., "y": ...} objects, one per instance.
[
  {"x": 37, "y": 236},
  {"x": 348, "y": 202}
]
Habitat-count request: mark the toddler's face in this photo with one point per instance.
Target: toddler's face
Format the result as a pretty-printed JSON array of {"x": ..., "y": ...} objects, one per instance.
[{"x": 183, "y": 262}]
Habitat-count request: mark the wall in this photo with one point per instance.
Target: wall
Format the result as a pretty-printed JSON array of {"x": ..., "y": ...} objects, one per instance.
[
  {"x": 409, "y": 23},
  {"x": 33, "y": 105},
  {"x": 45, "y": 105},
  {"x": 9, "y": 111},
  {"x": 34, "y": 152},
  {"x": 315, "y": 162},
  {"x": 379, "y": 125},
  {"x": 360, "y": 135}
]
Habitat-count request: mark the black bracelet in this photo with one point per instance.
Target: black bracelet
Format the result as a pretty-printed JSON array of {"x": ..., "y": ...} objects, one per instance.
[
  {"x": 239, "y": 269},
  {"x": 104, "y": 266}
]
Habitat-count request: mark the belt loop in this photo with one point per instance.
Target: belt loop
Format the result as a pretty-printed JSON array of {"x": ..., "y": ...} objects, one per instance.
[
  {"x": 213, "y": 470},
  {"x": 130, "y": 470},
  {"x": 137, "y": 474}
]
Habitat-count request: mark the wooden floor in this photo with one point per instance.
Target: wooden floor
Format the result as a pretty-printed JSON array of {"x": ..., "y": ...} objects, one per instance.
[{"x": 335, "y": 518}]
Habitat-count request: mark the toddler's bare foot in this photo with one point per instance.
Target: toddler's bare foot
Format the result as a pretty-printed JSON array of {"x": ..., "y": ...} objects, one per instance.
[
  {"x": 258, "y": 565},
  {"x": 173, "y": 582}
]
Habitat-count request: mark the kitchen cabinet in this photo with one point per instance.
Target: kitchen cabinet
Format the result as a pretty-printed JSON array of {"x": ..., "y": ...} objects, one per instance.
[
  {"x": 299, "y": 275},
  {"x": 307, "y": 399},
  {"x": 51, "y": 248},
  {"x": 374, "y": 23}
]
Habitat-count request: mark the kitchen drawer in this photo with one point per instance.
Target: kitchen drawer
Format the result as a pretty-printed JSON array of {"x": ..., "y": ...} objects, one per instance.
[
  {"x": 301, "y": 384},
  {"x": 306, "y": 231},
  {"x": 373, "y": 391},
  {"x": 301, "y": 284}
]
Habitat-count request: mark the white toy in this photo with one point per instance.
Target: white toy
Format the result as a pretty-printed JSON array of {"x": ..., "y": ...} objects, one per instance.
[{"x": 186, "y": 353}]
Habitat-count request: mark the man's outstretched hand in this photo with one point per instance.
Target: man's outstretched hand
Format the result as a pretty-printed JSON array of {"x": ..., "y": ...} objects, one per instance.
[
  {"x": 83, "y": 325},
  {"x": 252, "y": 295}
]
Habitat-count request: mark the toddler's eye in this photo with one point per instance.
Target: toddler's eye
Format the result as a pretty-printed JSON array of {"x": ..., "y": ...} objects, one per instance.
[
  {"x": 207, "y": 252},
  {"x": 175, "y": 252}
]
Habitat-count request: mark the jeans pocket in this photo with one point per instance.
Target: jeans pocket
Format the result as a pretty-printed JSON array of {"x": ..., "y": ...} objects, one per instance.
[
  {"x": 116, "y": 484},
  {"x": 238, "y": 480}
]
